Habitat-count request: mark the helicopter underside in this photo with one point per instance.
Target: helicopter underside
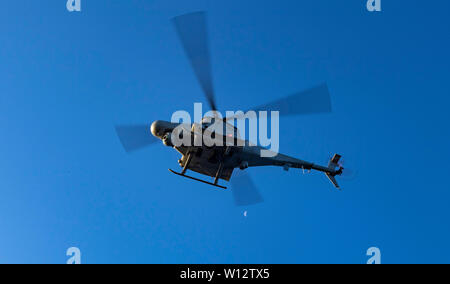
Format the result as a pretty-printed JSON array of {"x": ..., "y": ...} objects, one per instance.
[{"x": 209, "y": 161}]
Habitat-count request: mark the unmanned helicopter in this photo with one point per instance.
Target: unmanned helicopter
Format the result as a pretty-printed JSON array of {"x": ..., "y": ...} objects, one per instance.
[{"x": 220, "y": 162}]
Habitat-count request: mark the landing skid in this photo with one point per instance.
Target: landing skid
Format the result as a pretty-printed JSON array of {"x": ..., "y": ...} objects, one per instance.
[{"x": 196, "y": 179}]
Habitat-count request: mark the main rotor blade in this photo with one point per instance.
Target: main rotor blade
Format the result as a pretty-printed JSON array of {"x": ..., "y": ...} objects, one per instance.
[
  {"x": 244, "y": 190},
  {"x": 311, "y": 101},
  {"x": 135, "y": 137},
  {"x": 193, "y": 34}
]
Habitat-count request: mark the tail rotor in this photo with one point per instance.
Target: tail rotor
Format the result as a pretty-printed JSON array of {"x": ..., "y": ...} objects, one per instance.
[{"x": 348, "y": 174}]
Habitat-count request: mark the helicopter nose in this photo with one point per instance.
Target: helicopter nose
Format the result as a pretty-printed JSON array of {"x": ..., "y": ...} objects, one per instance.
[
  {"x": 157, "y": 128},
  {"x": 160, "y": 128}
]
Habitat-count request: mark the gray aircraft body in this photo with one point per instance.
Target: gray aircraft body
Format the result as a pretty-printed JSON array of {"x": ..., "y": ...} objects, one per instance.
[{"x": 220, "y": 162}]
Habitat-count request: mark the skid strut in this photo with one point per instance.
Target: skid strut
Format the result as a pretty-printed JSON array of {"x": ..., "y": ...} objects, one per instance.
[
  {"x": 218, "y": 174},
  {"x": 186, "y": 165}
]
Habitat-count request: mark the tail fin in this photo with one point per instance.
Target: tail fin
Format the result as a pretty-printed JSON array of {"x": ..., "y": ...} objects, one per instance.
[
  {"x": 333, "y": 180},
  {"x": 332, "y": 166}
]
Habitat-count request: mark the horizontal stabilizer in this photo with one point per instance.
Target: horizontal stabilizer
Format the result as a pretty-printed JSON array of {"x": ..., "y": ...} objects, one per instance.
[
  {"x": 334, "y": 162},
  {"x": 334, "y": 169},
  {"x": 333, "y": 180}
]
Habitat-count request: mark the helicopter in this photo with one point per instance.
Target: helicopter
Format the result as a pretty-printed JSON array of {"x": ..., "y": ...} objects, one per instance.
[{"x": 219, "y": 162}]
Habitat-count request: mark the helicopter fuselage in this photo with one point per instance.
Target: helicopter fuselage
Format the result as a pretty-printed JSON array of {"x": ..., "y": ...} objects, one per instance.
[{"x": 219, "y": 162}]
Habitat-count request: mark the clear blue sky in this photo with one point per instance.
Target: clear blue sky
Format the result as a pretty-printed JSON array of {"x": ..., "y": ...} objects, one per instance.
[{"x": 67, "y": 78}]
